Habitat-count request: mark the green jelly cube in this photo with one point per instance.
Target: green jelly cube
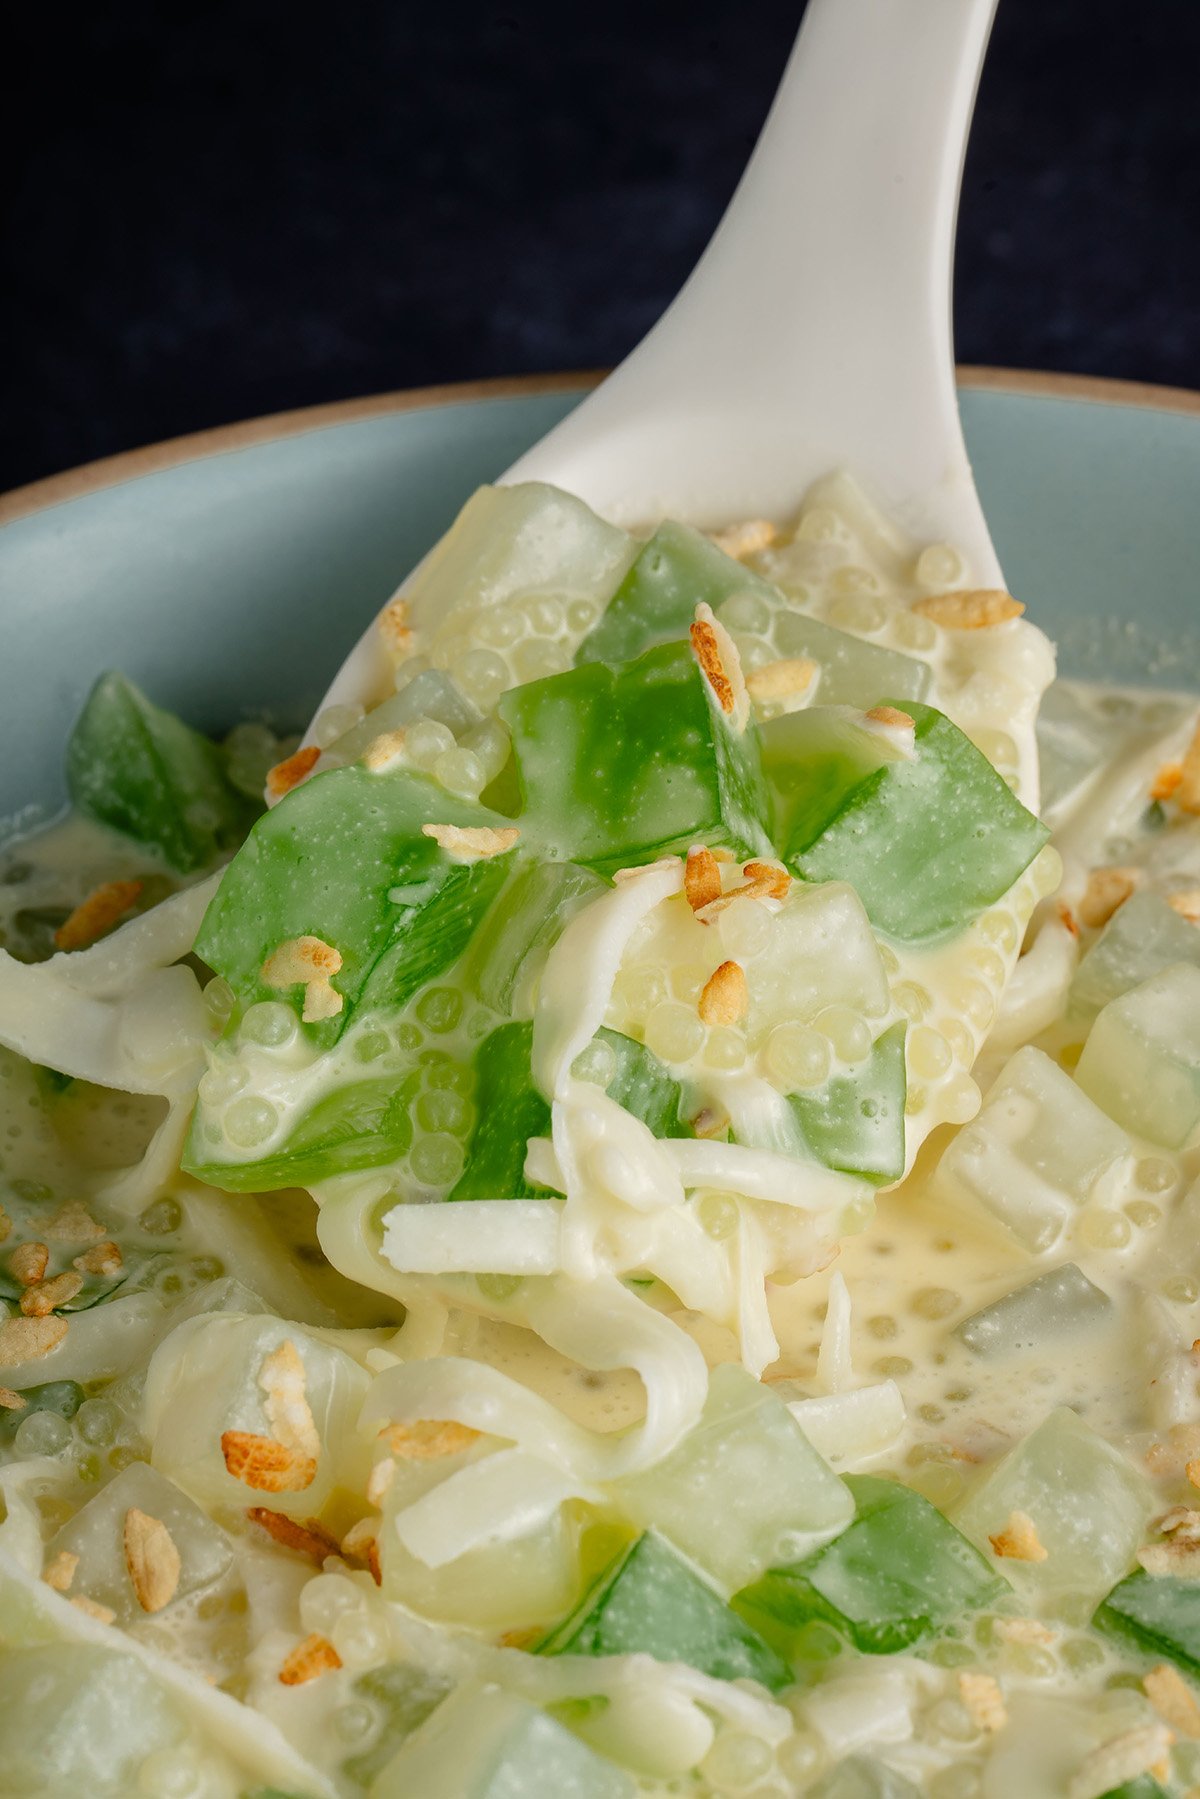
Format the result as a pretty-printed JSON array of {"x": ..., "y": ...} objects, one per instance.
[
  {"x": 1144, "y": 1787},
  {"x": 509, "y": 954},
  {"x": 651, "y": 1602},
  {"x": 510, "y": 545},
  {"x": 1037, "y": 1149},
  {"x": 898, "y": 1572},
  {"x": 641, "y": 1084},
  {"x": 79, "y": 1719},
  {"x": 618, "y": 765},
  {"x": 483, "y": 1743},
  {"x": 406, "y": 1695},
  {"x": 1158, "y": 1612},
  {"x": 1088, "y": 1504},
  {"x": 1142, "y": 937},
  {"x": 1063, "y": 1302},
  {"x": 678, "y": 568},
  {"x": 1141, "y": 1062},
  {"x": 862, "y": 1777},
  {"x": 145, "y": 773},
  {"x": 62, "y": 1396},
  {"x": 855, "y": 1122},
  {"x": 743, "y": 1489},
  {"x": 509, "y": 1111},
  {"x": 927, "y": 840},
  {"x": 343, "y": 858},
  {"x": 96, "y": 1535}
]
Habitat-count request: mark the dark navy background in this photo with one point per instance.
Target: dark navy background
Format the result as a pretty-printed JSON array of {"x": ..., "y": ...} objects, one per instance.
[{"x": 223, "y": 209}]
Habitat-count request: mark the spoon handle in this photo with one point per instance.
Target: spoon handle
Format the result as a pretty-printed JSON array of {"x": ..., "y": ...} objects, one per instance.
[{"x": 815, "y": 331}]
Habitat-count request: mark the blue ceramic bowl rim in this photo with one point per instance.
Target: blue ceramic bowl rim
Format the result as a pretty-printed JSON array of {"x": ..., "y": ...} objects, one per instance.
[{"x": 128, "y": 465}]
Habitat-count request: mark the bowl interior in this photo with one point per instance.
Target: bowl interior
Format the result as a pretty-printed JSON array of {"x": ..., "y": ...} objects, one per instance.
[{"x": 232, "y": 585}]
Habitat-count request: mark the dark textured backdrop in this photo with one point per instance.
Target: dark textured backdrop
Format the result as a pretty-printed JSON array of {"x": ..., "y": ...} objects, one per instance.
[{"x": 225, "y": 209}]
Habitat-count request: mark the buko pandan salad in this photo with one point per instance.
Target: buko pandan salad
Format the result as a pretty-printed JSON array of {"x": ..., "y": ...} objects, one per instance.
[{"x": 634, "y": 1232}]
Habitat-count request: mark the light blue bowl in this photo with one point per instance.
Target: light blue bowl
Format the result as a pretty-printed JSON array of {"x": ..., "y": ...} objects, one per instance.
[{"x": 229, "y": 573}]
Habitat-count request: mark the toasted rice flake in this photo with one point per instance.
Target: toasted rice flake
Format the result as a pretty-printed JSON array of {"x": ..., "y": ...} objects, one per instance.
[
  {"x": 151, "y": 1559},
  {"x": 1173, "y": 1699},
  {"x": 470, "y": 842},
  {"x": 28, "y": 1263},
  {"x": 1019, "y": 1540},
  {"x": 1192, "y": 1470},
  {"x": 1186, "y": 903},
  {"x": 103, "y": 1614},
  {"x": 710, "y": 1121},
  {"x": 783, "y": 679},
  {"x": 104, "y": 1258},
  {"x": 97, "y": 914},
  {"x": 746, "y": 539},
  {"x": 26, "y": 1339},
  {"x": 321, "y": 1001},
  {"x": 283, "y": 1381},
  {"x": 1180, "y": 1558},
  {"x": 59, "y": 1571},
  {"x": 383, "y": 1473},
  {"x": 47, "y": 1296},
  {"x": 72, "y": 1223},
  {"x": 1067, "y": 918},
  {"x": 969, "y": 609},
  {"x": 428, "y": 1439},
  {"x": 291, "y": 771},
  {"x": 385, "y": 752},
  {"x": 1187, "y": 794},
  {"x": 778, "y": 880},
  {"x": 1024, "y": 1630},
  {"x": 307, "y": 961},
  {"x": 721, "y": 666},
  {"x": 263, "y": 1463},
  {"x": 701, "y": 877},
  {"x": 12, "y": 1401},
  {"x": 1181, "y": 1521},
  {"x": 1107, "y": 889},
  {"x": 308, "y": 1536},
  {"x": 393, "y": 626},
  {"x": 1122, "y": 1758},
  {"x": 981, "y": 1695},
  {"x": 5, "y": 1224},
  {"x": 892, "y": 717},
  {"x": 1166, "y": 781},
  {"x": 725, "y": 997},
  {"x": 354, "y": 1543},
  {"x": 520, "y": 1639},
  {"x": 315, "y": 1655}
]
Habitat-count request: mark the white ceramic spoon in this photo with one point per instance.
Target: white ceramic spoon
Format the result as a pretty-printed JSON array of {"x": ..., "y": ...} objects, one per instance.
[{"x": 815, "y": 332}]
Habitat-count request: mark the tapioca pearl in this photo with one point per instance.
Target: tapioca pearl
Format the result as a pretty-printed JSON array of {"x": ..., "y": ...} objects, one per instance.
[
  {"x": 361, "y": 1641},
  {"x": 441, "y": 1109},
  {"x": 1101, "y": 1228},
  {"x": 219, "y": 1083},
  {"x": 974, "y": 1001},
  {"x": 1030, "y": 1660},
  {"x": 796, "y": 1057},
  {"x": 883, "y": 1326},
  {"x": 1046, "y": 871},
  {"x": 799, "y": 1757},
  {"x": 745, "y": 612},
  {"x": 440, "y": 1008},
  {"x": 860, "y": 613},
  {"x": 889, "y": 1367},
  {"x": 270, "y": 1025},
  {"x": 737, "y": 1761},
  {"x": 685, "y": 981},
  {"x": 499, "y": 627},
  {"x": 999, "y": 928},
  {"x": 950, "y": 1719},
  {"x": 162, "y": 1219},
  {"x": 725, "y": 1049},
  {"x": 537, "y": 658},
  {"x": 460, "y": 773},
  {"x": 371, "y": 1045},
  {"x": 939, "y": 566},
  {"x": 481, "y": 676},
  {"x": 959, "y": 1100},
  {"x": 913, "y": 632},
  {"x": 717, "y": 1214},
  {"x": 97, "y": 1422},
  {"x": 425, "y": 740},
  {"x": 172, "y": 1773},
  {"x": 355, "y": 1722},
  {"x": 674, "y": 1032},
  {"x": 250, "y": 1121},
  {"x": 498, "y": 1287},
  {"x": 1154, "y": 1174},
  {"x": 820, "y": 524},
  {"x": 913, "y": 999},
  {"x": 753, "y": 652},
  {"x": 335, "y": 721},
  {"x": 1082, "y": 1655},
  {"x": 856, "y": 1216},
  {"x": 960, "y": 1039},
  {"x": 326, "y": 1600},
  {"x": 409, "y": 670},
  {"x": 596, "y": 1064},
  {"x": 929, "y": 1054},
  {"x": 935, "y": 1302},
  {"x": 997, "y": 746},
  {"x": 848, "y": 1032},
  {"x": 987, "y": 965},
  {"x": 744, "y": 930},
  {"x": 408, "y": 1036},
  {"x": 546, "y": 615},
  {"x": 1143, "y": 1214},
  {"x": 491, "y": 744},
  {"x": 436, "y": 1161},
  {"x": 219, "y": 1001},
  {"x": 581, "y": 615},
  {"x": 915, "y": 1100},
  {"x": 42, "y": 1433}
]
